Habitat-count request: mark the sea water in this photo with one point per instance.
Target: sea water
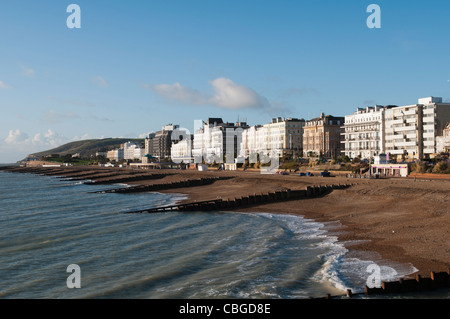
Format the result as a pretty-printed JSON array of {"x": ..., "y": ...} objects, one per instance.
[{"x": 48, "y": 224}]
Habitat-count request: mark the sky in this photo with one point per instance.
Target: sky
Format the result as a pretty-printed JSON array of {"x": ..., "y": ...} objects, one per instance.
[{"x": 135, "y": 66}]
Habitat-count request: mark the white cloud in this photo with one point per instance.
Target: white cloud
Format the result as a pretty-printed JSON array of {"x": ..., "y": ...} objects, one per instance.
[
  {"x": 3, "y": 85},
  {"x": 21, "y": 139},
  {"x": 100, "y": 81},
  {"x": 227, "y": 94},
  {"x": 17, "y": 144},
  {"x": 27, "y": 71},
  {"x": 180, "y": 93},
  {"x": 230, "y": 95},
  {"x": 49, "y": 138},
  {"x": 16, "y": 136}
]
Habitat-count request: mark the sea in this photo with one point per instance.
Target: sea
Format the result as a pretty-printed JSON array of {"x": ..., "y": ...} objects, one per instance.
[{"x": 48, "y": 223}]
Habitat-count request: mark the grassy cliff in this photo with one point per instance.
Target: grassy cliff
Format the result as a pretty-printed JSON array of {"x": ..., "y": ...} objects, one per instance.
[{"x": 87, "y": 148}]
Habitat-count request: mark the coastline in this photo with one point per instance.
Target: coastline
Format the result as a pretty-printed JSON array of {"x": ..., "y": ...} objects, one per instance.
[
  {"x": 398, "y": 221},
  {"x": 401, "y": 221}
]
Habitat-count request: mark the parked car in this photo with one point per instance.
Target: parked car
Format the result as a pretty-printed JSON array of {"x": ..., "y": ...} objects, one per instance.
[
  {"x": 309, "y": 174},
  {"x": 325, "y": 174},
  {"x": 301, "y": 174}
]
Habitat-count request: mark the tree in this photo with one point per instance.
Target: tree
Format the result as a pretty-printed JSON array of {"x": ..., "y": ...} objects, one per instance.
[
  {"x": 357, "y": 160},
  {"x": 441, "y": 168},
  {"x": 345, "y": 159}
]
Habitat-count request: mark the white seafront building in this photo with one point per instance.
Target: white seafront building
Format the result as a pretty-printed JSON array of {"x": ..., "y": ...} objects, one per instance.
[
  {"x": 132, "y": 151},
  {"x": 181, "y": 151},
  {"x": 115, "y": 155},
  {"x": 364, "y": 132},
  {"x": 254, "y": 140},
  {"x": 411, "y": 131},
  {"x": 402, "y": 132},
  {"x": 443, "y": 142},
  {"x": 285, "y": 135},
  {"x": 280, "y": 136},
  {"x": 217, "y": 141}
]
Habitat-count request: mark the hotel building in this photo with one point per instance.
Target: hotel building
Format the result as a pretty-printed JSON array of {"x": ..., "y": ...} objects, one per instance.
[
  {"x": 181, "y": 151},
  {"x": 217, "y": 141},
  {"x": 131, "y": 151},
  {"x": 285, "y": 135},
  {"x": 411, "y": 131},
  {"x": 322, "y": 136},
  {"x": 115, "y": 155},
  {"x": 363, "y": 132},
  {"x": 159, "y": 144},
  {"x": 281, "y": 136}
]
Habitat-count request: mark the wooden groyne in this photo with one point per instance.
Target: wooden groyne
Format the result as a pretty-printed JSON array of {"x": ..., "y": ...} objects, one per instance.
[
  {"x": 165, "y": 186},
  {"x": 47, "y": 171},
  {"x": 93, "y": 176},
  {"x": 126, "y": 179},
  {"x": 247, "y": 201},
  {"x": 96, "y": 175},
  {"x": 437, "y": 281},
  {"x": 7, "y": 168}
]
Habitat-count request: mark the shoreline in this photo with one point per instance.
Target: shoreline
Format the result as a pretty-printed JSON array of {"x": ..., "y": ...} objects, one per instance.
[
  {"x": 402, "y": 221},
  {"x": 390, "y": 229}
]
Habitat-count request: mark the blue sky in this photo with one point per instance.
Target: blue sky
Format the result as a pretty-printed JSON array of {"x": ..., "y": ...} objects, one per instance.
[{"x": 135, "y": 66}]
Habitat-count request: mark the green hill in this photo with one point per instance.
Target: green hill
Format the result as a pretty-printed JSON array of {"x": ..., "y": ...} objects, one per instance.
[{"x": 87, "y": 148}]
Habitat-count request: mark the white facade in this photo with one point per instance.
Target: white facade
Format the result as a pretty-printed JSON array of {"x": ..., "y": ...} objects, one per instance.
[
  {"x": 254, "y": 140},
  {"x": 403, "y": 131},
  {"x": 285, "y": 135},
  {"x": 218, "y": 142},
  {"x": 443, "y": 142},
  {"x": 181, "y": 152},
  {"x": 208, "y": 144},
  {"x": 115, "y": 155},
  {"x": 430, "y": 100},
  {"x": 131, "y": 151},
  {"x": 436, "y": 115},
  {"x": 277, "y": 137},
  {"x": 413, "y": 130},
  {"x": 363, "y": 132}
]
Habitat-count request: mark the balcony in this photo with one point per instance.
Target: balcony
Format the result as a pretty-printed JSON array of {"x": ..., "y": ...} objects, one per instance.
[
  {"x": 406, "y": 144},
  {"x": 405, "y": 128},
  {"x": 395, "y": 121},
  {"x": 410, "y": 112}
]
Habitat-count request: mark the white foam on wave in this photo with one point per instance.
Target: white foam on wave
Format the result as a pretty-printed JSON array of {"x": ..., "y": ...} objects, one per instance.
[
  {"x": 353, "y": 273},
  {"x": 333, "y": 259},
  {"x": 312, "y": 230},
  {"x": 341, "y": 271}
]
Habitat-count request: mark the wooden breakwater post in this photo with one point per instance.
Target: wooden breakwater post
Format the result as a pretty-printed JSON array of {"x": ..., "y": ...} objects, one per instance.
[
  {"x": 126, "y": 179},
  {"x": 231, "y": 204},
  {"x": 437, "y": 280},
  {"x": 164, "y": 186}
]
